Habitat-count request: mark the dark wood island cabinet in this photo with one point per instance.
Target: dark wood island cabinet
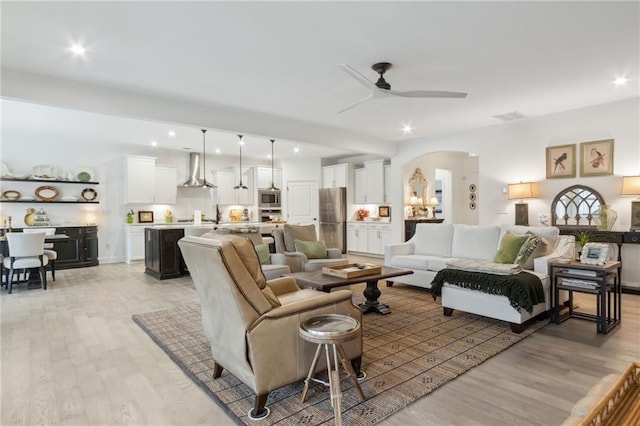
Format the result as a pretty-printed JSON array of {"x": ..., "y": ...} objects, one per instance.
[{"x": 162, "y": 257}]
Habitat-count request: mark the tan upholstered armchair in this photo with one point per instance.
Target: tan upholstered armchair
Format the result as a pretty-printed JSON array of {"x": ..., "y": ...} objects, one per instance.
[
  {"x": 252, "y": 324},
  {"x": 286, "y": 253}
]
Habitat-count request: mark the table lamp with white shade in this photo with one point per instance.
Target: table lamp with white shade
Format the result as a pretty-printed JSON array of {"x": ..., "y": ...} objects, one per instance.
[{"x": 521, "y": 191}]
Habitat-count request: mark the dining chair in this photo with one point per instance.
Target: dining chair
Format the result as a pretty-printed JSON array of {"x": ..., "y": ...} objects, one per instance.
[
  {"x": 26, "y": 251},
  {"x": 52, "y": 255}
]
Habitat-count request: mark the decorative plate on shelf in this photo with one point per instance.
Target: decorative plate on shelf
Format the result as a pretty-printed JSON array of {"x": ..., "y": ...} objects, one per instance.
[
  {"x": 46, "y": 193},
  {"x": 11, "y": 195},
  {"x": 89, "y": 194},
  {"x": 84, "y": 174}
]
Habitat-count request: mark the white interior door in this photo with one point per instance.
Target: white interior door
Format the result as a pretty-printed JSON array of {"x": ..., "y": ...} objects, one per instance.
[{"x": 302, "y": 202}]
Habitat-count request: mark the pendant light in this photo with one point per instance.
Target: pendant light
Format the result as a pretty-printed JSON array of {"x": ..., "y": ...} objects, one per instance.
[
  {"x": 240, "y": 185},
  {"x": 273, "y": 181}
]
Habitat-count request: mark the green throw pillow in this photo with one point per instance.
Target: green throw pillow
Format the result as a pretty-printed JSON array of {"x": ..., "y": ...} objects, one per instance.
[
  {"x": 535, "y": 246},
  {"x": 509, "y": 247},
  {"x": 263, "y": 253},
  {"x": 312, "y": 249}
]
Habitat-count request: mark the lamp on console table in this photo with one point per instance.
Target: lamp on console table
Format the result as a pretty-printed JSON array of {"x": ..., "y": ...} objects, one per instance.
[
  {"x": 433, "y": 203},
  {"x": 521, "y": 191},
  {"x": 631, "y": 186}
]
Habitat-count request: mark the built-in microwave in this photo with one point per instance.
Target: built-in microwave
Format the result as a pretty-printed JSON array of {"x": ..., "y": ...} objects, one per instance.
[{"x": 269, "y": 199}]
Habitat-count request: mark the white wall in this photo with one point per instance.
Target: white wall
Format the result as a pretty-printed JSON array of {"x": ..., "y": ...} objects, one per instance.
[{"x": 515, "y": 151}]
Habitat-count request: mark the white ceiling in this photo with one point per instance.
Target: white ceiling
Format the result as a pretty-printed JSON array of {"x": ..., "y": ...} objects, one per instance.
[{"x": 280, "y": 59}]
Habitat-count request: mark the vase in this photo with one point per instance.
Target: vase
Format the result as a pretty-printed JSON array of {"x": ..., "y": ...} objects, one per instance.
[
  {"x": 605, "y": 218},
  {"x": 168, "y": 219},
  {"x": 129, "y": 219}
]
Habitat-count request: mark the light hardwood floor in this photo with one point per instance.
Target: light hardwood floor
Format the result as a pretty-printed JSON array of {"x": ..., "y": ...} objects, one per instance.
[{"x": 71, "y": 355}]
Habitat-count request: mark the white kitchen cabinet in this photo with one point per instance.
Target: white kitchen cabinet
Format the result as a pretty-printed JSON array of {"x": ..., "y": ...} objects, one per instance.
[
  {"x": 139, "y": 180},
  {"x": 263, "y": 177},
  {"x": 225, "y": 180},
  {"x": 166, "y": 185},
  {"x": 387, "y": 184},
  {"x": 374, "y": 181},
  {"x": 378, "y": 235},
  {"x": 359, "y": 186},
  {"x": 336, "y": 176},
  {"x": 133, "y": 243},
  {"x": 245, "y": 196},
  {"x": 357, "y": 237}
]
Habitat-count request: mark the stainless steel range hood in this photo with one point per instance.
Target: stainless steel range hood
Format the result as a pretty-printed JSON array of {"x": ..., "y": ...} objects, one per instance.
[{"x": 194, "y": 180}]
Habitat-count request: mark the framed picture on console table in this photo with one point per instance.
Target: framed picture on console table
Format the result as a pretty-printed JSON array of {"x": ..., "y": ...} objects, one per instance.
[
  {"x": 561, "y": 161},
  {"x": 594, "y": 253}
]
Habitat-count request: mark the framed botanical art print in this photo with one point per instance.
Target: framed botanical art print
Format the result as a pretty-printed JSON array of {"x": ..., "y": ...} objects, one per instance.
[
  {"x": 145, "y": 217},
  {"x": 561, "y": 161},
  {"x": 596, "y": 158},
  {"x": 383, "y": 211}
]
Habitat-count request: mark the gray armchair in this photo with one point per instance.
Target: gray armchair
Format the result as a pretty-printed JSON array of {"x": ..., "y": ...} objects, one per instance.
[
  {"x": 286, "y": 253},
  {"x": 252, "y": 324}
]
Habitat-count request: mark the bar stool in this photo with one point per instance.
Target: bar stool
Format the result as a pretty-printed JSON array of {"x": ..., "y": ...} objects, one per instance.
[{"x": 330, "y": 331}]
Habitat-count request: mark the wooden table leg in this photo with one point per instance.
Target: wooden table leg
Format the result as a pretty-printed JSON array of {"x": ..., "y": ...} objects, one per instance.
[{"x": 372, "y": 293}]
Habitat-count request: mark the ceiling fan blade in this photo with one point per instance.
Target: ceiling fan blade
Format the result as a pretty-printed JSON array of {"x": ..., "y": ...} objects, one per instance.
[
  {"x": 358, "y": 77},
  {"x": 355, "y": 104},
  {"x": 428, "y": 94}
]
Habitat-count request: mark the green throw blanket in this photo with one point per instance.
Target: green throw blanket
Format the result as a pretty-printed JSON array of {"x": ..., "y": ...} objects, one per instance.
[{"x": 522, "y": 289}]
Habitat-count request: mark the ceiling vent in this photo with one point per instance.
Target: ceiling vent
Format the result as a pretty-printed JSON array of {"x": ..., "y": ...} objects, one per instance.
[{"x": 509, "y": 116}]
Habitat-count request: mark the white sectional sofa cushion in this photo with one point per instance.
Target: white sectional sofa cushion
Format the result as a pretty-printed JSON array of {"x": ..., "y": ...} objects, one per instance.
[
  {"x": 433, "y": 240},
  {"x": 475, "y": 242}
]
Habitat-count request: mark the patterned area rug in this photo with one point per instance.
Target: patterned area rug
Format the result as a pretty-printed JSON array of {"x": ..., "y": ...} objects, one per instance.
[{"x": 407, "y": 354}]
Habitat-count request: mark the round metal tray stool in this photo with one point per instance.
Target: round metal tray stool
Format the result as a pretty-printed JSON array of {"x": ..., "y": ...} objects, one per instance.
[{"x": 330, "y": 331}]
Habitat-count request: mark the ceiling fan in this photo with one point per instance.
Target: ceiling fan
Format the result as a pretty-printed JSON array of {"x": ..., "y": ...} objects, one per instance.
[{"x": 382, "y": 88}]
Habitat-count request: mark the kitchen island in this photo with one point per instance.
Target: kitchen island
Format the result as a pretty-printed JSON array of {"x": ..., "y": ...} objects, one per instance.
[{"x": 162, "y": 257}]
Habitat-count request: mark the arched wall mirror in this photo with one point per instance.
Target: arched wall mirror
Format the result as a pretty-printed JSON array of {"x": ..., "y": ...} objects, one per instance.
[
  {"x": 418, "y": 186},
  {"x": 576, "y": 206}
]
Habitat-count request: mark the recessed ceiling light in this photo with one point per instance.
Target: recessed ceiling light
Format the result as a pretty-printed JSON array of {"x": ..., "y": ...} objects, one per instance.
[
  {"x": 172, "y": 133},
  {"x": 407, "y": 129},
  {"x": 296, "y": 150},
  {"x": 218, "y": 151},
  {"x": 621, "y": 81},
  {"x": 154, "y": 143},
  {"x": 269, "y": 156},
  {"x": 77, "y": 49}
]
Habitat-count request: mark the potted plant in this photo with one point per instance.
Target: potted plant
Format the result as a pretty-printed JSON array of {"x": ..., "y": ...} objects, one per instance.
[
  {"x": 582, "y": 238},
  {"x": 130, "y": 215},
  {"x": 168, "y": 216}
]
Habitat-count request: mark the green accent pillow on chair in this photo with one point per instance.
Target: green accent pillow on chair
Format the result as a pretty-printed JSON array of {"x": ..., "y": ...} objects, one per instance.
[
  {"x": 312, "y": 249},
  {"x": 263, "y": 253},
  {"x": 510, "y": 247}
]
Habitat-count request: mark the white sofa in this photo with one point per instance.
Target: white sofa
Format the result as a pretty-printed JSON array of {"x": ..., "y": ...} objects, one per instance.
[{"x": 433, "y": 245}]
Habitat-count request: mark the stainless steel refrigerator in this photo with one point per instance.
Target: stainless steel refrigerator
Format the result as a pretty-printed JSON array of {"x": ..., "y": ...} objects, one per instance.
[{"x": 333, "y": 217}]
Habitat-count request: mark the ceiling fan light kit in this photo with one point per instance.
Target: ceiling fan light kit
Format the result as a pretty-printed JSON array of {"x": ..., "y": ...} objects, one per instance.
[{"x": 382, "y": 88}]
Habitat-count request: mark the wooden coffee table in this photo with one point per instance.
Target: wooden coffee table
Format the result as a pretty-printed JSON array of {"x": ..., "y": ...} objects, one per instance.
[{"x": 323, "y": 282}]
